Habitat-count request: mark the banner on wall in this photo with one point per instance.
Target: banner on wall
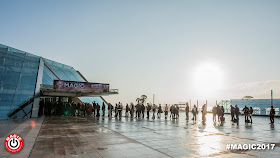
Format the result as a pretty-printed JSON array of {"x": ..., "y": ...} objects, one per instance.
[{"x": 80, "y": 86}]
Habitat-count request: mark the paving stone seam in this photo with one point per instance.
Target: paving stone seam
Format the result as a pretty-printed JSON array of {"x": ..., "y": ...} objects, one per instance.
[
  {"x": 137, "y": 141},
  {"x": 43, "y": 119}
]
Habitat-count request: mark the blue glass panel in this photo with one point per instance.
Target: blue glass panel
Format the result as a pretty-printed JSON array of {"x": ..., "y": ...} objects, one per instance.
[
  {"x": 28, "y": 80},
  {"x": 64, "y": 71},
  {"x": 18, "y": 73},
  {"x": 5, "y": 105},
  {"x": 3, "y": 46},
  {"x": 23, "y": 95},
  {"x": 48, "y": 76},
  {"x": 9, "y": 77},
  {"x": 7, "y": 96}
]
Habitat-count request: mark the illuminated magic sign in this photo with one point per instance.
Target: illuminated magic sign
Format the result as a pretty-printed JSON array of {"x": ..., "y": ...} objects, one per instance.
[{"x": 81, "y": 86}]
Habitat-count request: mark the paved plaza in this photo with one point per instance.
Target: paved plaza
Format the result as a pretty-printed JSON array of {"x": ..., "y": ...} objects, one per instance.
[{"x": 64, "y": 136}]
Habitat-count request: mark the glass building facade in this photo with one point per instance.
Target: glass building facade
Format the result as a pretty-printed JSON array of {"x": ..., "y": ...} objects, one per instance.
[
  {"x": 260, "y": 106},
  {"x": 22, "y": 74},
  {"x": 18, "y": 74}
]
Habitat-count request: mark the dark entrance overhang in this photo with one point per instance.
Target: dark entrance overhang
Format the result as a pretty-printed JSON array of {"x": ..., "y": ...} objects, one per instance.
[{"x": 74, "y": 93}]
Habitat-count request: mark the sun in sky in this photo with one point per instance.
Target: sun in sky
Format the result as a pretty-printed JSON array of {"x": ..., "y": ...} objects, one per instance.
[{"x": 208, "y": 78}]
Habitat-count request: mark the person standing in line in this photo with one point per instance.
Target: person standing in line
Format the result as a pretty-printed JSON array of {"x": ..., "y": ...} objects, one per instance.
[
  {"x": 87, "y": 106},
  {"x": 112, "y": 108},
  {"x": 177, "y": 111},
  {"x": 222, "y": 113},
  {"x": 219, "y": 113},
  {"x": 131, "y": 110},
  {"x": 103, "y": 109},
  {"x": 148, "y": 110},
  {"x": 109, "y": 109},
  {"x": 116, "y": 110},
  {"x": 126, "y": 110},
  {"x": 154, "y": 110},
  {"x": 174, "y": 112},
  {"x": 171, "y": 111},
  {"x": 138, "y": 107},
  {"x": 194, "y": 112},
  {"x": 271, "y": 115},
  {"x": 214, "y": 111},
  {"x": 232, "y": 112},
  {"x": 203, "y": 111},
  {"x": 84, "y": 109},
  {"x": 94, "y": 108},
  {"x": 72, "y": 108},
  {"x": 143, "y": 110},
  {"x": 90, "y": 110},
  {"x": 251, "y": 111},
  {"x": 246, "y": 113},
  {"x": 187, "y": 110},
  {"x": 159, "y": 111},
  {"x": 166, "y": 111},
  {"x": 236, "y": 111},
  {"x": 98, "y": 109},
  {"x": 120, "y": 109},
  {"x": 76, "y": 108}
]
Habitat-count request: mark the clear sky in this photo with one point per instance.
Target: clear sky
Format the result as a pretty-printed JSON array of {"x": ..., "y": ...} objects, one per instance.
[{"x": 178, "y": 50}]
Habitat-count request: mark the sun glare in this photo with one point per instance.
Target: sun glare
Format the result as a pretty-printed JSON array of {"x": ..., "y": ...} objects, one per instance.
[{"x": 208, "y": 78}]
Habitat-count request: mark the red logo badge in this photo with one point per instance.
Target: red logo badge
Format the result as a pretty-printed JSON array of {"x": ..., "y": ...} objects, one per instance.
[{"x": 13, "y": 143}]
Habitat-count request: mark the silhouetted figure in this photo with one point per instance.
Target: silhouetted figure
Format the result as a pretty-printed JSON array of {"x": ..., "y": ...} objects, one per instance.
[
  {"x": 149, "y": 107},
  {"x": 131, "y": 110},
  {"x": 204, "y": 112},
  {"x": 246, "y": 113},
  {"x": 126, "y": 110},
  {"x": 187, "y": 110},
  {"x": 116, "y": 110},
  {"x": 194, "y": 112},
  {"x": 236, "y": 112},
  {"x": 103, "y": 109},
  {"x": 83, "y": 109},
  {"x": 143, "y": 110},
  {"x": 166, "y": 111},
  {"x": 271, "y": 115},
  {"x": 110, "y": 109},
  {"x": 172, "y": 111},
  {"x": 232, "y": 112},
  {"x": 159, "y": 111},
  {"x": 214, "y": 111},
  {"x": 138, "y": 110},
  {"x": 219, "y": 113},
  {"x": 251, "y": 111},
  {"x": 98, "y": 110},
  {"x": 154, "y": 111},
  {"x": 94, "y": 108},
  {"x": 176, "y": 112},
  {"x": 222, "y": 113},
  {"x": 90, "y": 110},
  {"x": 120, "y": 107}
]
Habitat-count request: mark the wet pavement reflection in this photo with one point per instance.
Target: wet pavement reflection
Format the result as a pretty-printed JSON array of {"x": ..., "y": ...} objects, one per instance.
[{"x": 109, "y": 137}]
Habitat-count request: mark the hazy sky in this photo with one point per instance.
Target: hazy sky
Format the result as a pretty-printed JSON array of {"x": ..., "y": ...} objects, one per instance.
[{"x": 157, "y": 47}]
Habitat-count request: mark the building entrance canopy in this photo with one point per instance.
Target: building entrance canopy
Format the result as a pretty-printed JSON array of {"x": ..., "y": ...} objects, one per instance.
[{"x": 47, "y": 90}]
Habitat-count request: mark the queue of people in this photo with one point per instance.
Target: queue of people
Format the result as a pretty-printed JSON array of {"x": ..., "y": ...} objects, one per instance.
[
  {"x": 134, "y": 111},
  {"x": 138, "y": 111},
  {"x": 218, "y": 112}
]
